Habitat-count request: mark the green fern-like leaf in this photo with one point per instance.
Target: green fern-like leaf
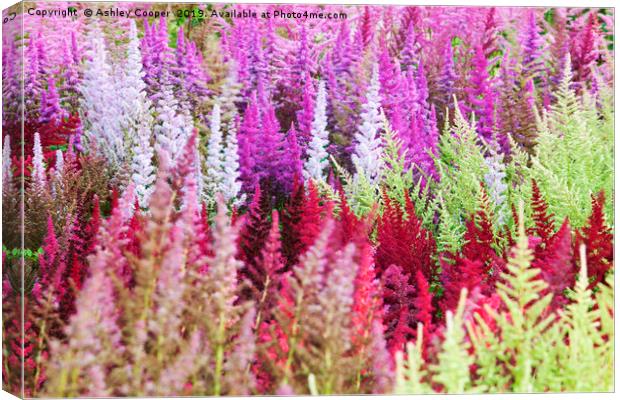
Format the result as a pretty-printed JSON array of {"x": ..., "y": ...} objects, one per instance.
[
  {"x": 587, "y": 365},
  {"x": 396, "y": 178},
  {"x": 523, "y": 324},
  {"x": 410, "y": 375},
  {"x": 453, "y": 368},
  {"x": 572, "y": 159},
  {"x": 461, "y": 166}
]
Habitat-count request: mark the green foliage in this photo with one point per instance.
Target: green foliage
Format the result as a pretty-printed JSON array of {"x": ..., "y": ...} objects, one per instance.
[
  {"x": 454, "y": 360},
  {"x": 461, "y": 166},
  {"x": 361, "y": 193},
  {"x": 410, "y": 375},
  {"x": 521, "y": 345},
  {"x": 452, "y": 368},
  {"x": 588, "y": 360},
  {"x": 523, "y": 323},
  {"x": 572, "y": 159},
  {"x": 396, "y": 178},
  {"x": 17, "y": 253}
]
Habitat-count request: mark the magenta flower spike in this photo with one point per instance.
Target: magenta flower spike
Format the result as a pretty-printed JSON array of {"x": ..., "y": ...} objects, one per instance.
[
  {"x": 481, "y": 96},
  {"x": 305, "y": 116},
  {"x": 50, "y": 104},
  {"x": 532, "y": 47}
]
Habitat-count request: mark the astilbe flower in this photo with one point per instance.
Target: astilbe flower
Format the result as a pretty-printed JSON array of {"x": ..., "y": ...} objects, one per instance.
[
  {"x": 214, "y": 173},
  {"x": 447, "y": 79},
  {"x": 414, "y": 135},
  {"x": 477, "y": 265},
  {"x": 72, "y": 58},
  {"x": 490, "y": 33},
  {"x": 390, "y": 88},
  {"x": 294, "y": 154},
  {"x": 558, "y": 48},
  {"x": 342, "y": 56},
  {"x": 143, "y": 170},
  {"x": 382, "y": 363},
  {"x": 7, "y": 174},
  {"x": 422, "y": 98},
  {"x": 38, "y": 168},
  {"x": 291, "y": 218},
  {"x": 479, "y": 237},
  {"x": 273, "y": 161},
  {"x": 248, "y": 138},
  {"x": 230, "y": 94},
  {"x": 399, "y": 314},
  {"x": 257, "y": 67},
  {"x": 321, "y": 295},
  {"x": 189, "y": 71},
  {"x": 253, "y": 234},
  {"x": 311, "y": 224},
  {"x": 59, "y": 167},
  {"x": 456, "y": 275},
  {"x": 277, "y": 49},
  {"x": 22, "y": 351},
  {"x": 336, "y": 301},
  {"x": 274, "y": 346},
  {"x": 585, "y": 50},
  {"x": 341, "y": 70},
  {"x": 173, "y": 126},
  {"x": 480, "y": 306},
  {"x": 34, "y": 68},
  {"x": 301, "y": 222},
  {"x": 306, "y": 115},
  {"x": 481, "y": 96},
  {"x": 159, "y": 292},
  {"x": 99, "y": 106},
  {"x": 544, "y": 221},
  {"x": 367, "y": 340},
  {"x": 410, "y": 53},
  {"x": 157, "y": 58},
  {"x": 135, "y": 227},
  {"x": 495, "y": 182},
  {"x": 175, "y": 377},
  {"x": 423, "y": 304},
  {"x": 187, "y": 175},
  {"x": 81, "y": 243},
  {"x": 403, "y": 241},
  {"x": 368, "y": 147},
  {"x": 516, "y": 104},
  {"x": 298, "y": 80},
  {"x": 50, "y": 104},
  {"x": 314, "y": 167},
  {"x": 165, "y": 319},
  {"x": 532, "y": 48},
  {"x": 51, "y": 267},
  {"x": 556, "y": 265},
  {"x": 266, "y": 275},
  {"x": 136, "y": 120},
  {"x": 222, "y": 294},
  {"x": 367, "y": 299},
  {"x": 237, "y": 374},
  {"x": 598, "y": 239},
  {"x": 11, "y": 89},
  {"x": 231, "y": 183},
  {"x": 94, "y": 328},
  {"x": 365, "y": 26}
]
